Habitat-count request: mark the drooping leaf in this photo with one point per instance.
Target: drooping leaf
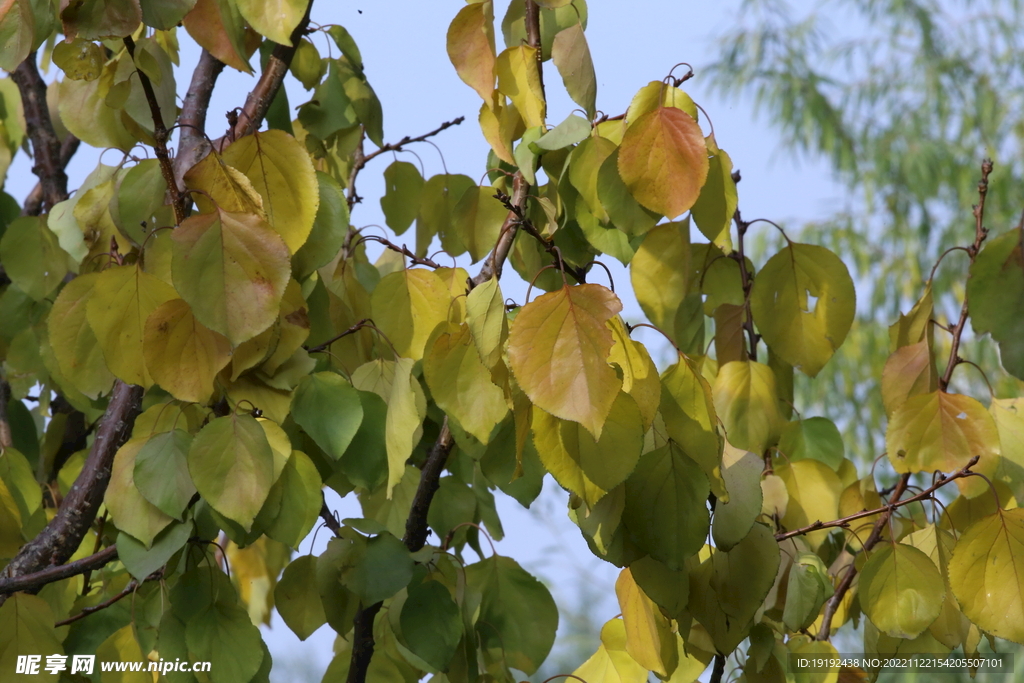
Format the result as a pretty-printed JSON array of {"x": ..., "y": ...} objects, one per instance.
[
  {"x": 131, "y": 512},
  {"x": 688, "y": 411},
  {"x": 664, "y": 161},
  {"x": 73, "y": 341},
  {"x": 518, "y": 72},
  {"x": 639, "y": 374},
  {"x": 813, "y": 490},
  {"x": 611, "y": 663},
  {"x": 232, "y": 269},
  {"x": 996, "y": 291},
  {"x": 297, "y": 599},
  {"x": 182, "y": 355},
  {"x": 649, "y": 637},
  {"x": 92, "y": 19},
  {"x": 571, "y": 55},
  {"x": 734, "y": 518},
  {"x": 909, "y": 371},
  {"x": 402, "y": 429},
  {"x": 219, "y": 28},
  {"x": 439, "y": 198},
  {"x": 471, "y": 46},
  {"x": 746, "y": 400},
  {"x": 431, "y": 623},
  {"x": 660, "y": 273},
  {"x": 328, "y": 409},
  {"x": 26, "y": 628},
  {"x": 222, "y": 634},
  {"x": 901, "y": 590},
  {"x": 407, "y": 305},
  {"x": 813, "y": 437},
  {"x": 803, "y": 301},
  {"x": 403, "y": 187},
  {"x": 714, "y": 208},
  {"x": 232, "y": 465},
  {"x": 161, "y": 471},
  {"x": 32, "y": 256},
  {"x": 485, "y": 314},
  {"x": 276, "y": 19},
  {"x": 558, "y": 350},
  {"x": 299, "y": 487},
  {"x": 478, "y": 219}
]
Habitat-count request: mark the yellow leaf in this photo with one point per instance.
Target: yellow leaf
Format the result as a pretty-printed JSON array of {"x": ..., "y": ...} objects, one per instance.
[
  {"x": 656, "y": 94},
  {"x": 813, "y": 489},
  {"x": 746, "y": 399},
  {"x": 901, "y": 590},
  {"x": 74, "y": 344},
  {"x": 649, "y": 637},
  {"x": 281, "y": 172},
  {"x": 122, "y": 300},
  {"x": 940, "y": 431},
  {"x": 909, "y": 371},
  {"x": 987, "y": 574},
  {"x": 664, "y": 160},
  {"x": 461, "y": 385},
  {"x": 407, "y": 305},
  {"x": 403, "y": 426},
  {"x": 485, "y": 313},
  {"x": 584, "y": 166},
  {"x": 471, "y": 46},
  {"x": 501, "y": 123},
  {"x": 292, "y": 328},
  {"x": 558, "y": 351},
  {"x": 611, "y": 663},
  {"x": 519, "y": 77},
  {"x": 183, "y": 355},
  {"x": 228, "y": 187},
  {"x": 639, "y": 375},
  {"x": 276, "y": 19},
  {"x": 232, "y": 269}
]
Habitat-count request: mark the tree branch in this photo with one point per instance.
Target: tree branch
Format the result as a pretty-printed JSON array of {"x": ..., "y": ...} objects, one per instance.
[
  {"x": 718, "y": 670},
  {"x": 579, "y": 274},
  {"x": 132, "y": 586},
  {"x": 747, "y": 280},
  {"x": 6, "y": 440},
  {"x": 845, "y": 521},
  {"x": 415, "y": 538},
  {"x": 494, "y": 263},
  {"x": 160, "y": 136},
  {"x": 192, "y": 141},
  {"x": 46, "y": 148},
  {"x": 64, "y": 533},
  {"x": 33, "y": 205},
  {"x": 38, "y": 579},
  {"x": 258, "y": 101}
]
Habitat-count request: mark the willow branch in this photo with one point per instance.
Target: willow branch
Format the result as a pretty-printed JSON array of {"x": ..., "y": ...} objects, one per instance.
[
  {"x": 415, "y": 538},
  {"x": 64, "y": 533},
  {"x": 259, "y": 100},
  {"x": 845, "y": 521},
  {"x": 46, "y": 148},
  {"x": 40, "y": 578},
  {"x": 33, "y": 205},
  {"x": 192, "y": 142}
]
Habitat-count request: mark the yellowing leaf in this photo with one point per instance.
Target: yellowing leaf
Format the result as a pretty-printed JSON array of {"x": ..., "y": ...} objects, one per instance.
[
  {"x": 485, "y": 313},
  {"x": 121, "y": 301},
  {"x": 407, "y": 305},
  {"x": 813, "y": 490},
  {"x": 227, "y": 186},
  {"x": 501, "y": 123},
  {"x": 276, "y": 19},
  {"x": 131, "y": 512},
  {"x": 571, "y": 55},
  {"x": 940, "y": 431},
  {"x": 747, "y": 401},
  {"x": 660, "y": 273},
  {"x": 901, "y": 590},
  {"x": 403, "y": 426},
  {"x": 714, "y": 208},
  {"x": 909, "y": 371},
  {"x": 519, "y": 78},
  {"x": 182, "y": 355},
  {"x": 281, "y": 171},
  {"x": 232, "y": 269},
  {"x": 612, "y": 663},
  {"x": 649, "y": 637},
  {"x": 803, "y": 302},
  {"x": 690, "y": 419},
  {"x": 664, "y": 161},
  {"x": 471, "y": 46},
  {"x": 74, "y": 344},
  {"x": 584, "y": 167},
  {"x": 26, "y": 628},
  {"x": 639, "y": 374},
  {"x": 461, "y": 385},
  {"x": 478, "y": 219},
  {"x": 220, "y": 30},
  {"x": 657, "y": 94},
  {"x": 558, "y": 350},
  {"x": 232, "y": 466},
  {"x": 987, "y": 574}
]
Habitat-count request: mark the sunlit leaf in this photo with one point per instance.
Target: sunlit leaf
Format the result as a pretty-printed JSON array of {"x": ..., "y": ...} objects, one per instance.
[{"x": 471, "y": 46}]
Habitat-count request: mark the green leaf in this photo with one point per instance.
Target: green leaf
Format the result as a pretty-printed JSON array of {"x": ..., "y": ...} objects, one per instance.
[
  {"x": 365, "y": 463},
  {"x": 281, "y": 171},
  {"x": 571, "y": 55},
  {"x": 343, "y": 39},
  {"x": 714, "y": 208},
  {"x": 339, "y": 604},
  {"x": 140, "y": 561},
  {"x": 377, "y": 568},
  {"x": 666, "y": 511},
  {"x": 470, "y": 45},
  {"x": 223, "y": 635},
  {"x": 297, "y": 599},
  {"x": 735, "y": 517},
  {"x": 517, "y": 617},
  {"x": 570, "y": 131},
  {"x": 431, "y": 623},
  {"x": 74, "y": 344},
  {"x": 669, "y": 588},
  {"x": 688, "y": 411},
  {"x": 807, "y": 590},
  {"x": 306, "y": 65},
  {"x": 276, "y": 19},
  {"x": 660, "y": 273},
  {"x": 140, "y": 196},
  {"x": 407, "y": 305},
  {"x": 814, "y": 437},
  {"x": 26, "y": 628},
  {"x": 901, "y": 591},
  {"x": 439, "y": 198},
  {"x": 624, "y": 212},
  {"x": 161, "y": 472},
  {"x": 403, "y": 188},
  {"x": 165, "y": 14},
  {"x": 329, "y": 410},
  {"x": 131, "y": 512},
  {"x": 32, "y": 256},
  {"x": 940, "y": 431},
  {"x": 478, "y": 219},
  {"x": 91, "y": 19},
  {"x": 298, "y": 490},
  {"x": 232, "y": 465},
  {"x": 330, "y": 228},
  {"x": 558, "y": 350},
  {"x": 485, "y": 313},
  {"x": 663, "y": 160},
  {"x": 232, "y": 269},
  {"x": 584, "y": 168},
  {"x": 986, "y": 574},
  {"x": 803, "y": 302},
  {"x": 996, "y": 291},
  {"x": 746, "y": 400}
]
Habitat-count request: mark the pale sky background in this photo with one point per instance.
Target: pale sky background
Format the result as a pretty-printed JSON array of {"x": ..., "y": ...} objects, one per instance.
[{"x": 403, "y": 47}]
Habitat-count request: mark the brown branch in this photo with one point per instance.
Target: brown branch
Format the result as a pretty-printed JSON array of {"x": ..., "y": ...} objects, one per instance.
[
  {"x": 64, "y": 533},
  {"x": 980, "y": 233},
  {"x": 532, "y": 20},
  {"x": 259, "y": 100},
  {"x": 33, "y": 205},
  {"x": 40, "y": 578},
  {"x": 46, "y": 148},
  {"x": 404, "y": 251},
  {"x": 329, "y": 520},
  {"x": 748, "y": 284},
  {"x": 160, "y": 136},
  {"x": 327, "y": 344},
  {"x": 415, "y": 538},
  {"x": 494, "y": 263},
  {"x": 718, "y": 670},
  {"x": 132, "y": 586},
  {"x": 527, "y": 226},
  {"x": 6, "y": 440},
  {"x": 845, "y": 521},
  {"x": 192, "y": 141}
]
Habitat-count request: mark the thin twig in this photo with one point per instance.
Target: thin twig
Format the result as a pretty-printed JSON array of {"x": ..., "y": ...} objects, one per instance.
[
  {"x": 38, "y": 579},
  {"x": 748, "y": 284},
  {"x": 330, "y": 521},
  {"x": 6, "y": 440},
  {"x": 327, "y": 344},
  {"x": 160, "y": 136},
  {"x": 404, "y": 251},
  {"x": 132, "y": 586},
  {"x": 579, "y": 274}
]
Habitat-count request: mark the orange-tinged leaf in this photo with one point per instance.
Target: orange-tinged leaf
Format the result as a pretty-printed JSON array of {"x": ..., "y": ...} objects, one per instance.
[
  {"x": 940, "y": 431},
  {"x": 471, "y": 46},
  {"x": 910, "y": 371},
  {"x": 182, "y": 354},
  {"x": 664, "y": 160},
  {"x": 232, "y": 269},
  {"x": 220, "y": 30},
  {"x": 519, "y": 78},
  {"x": 559, "y": 348}
]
